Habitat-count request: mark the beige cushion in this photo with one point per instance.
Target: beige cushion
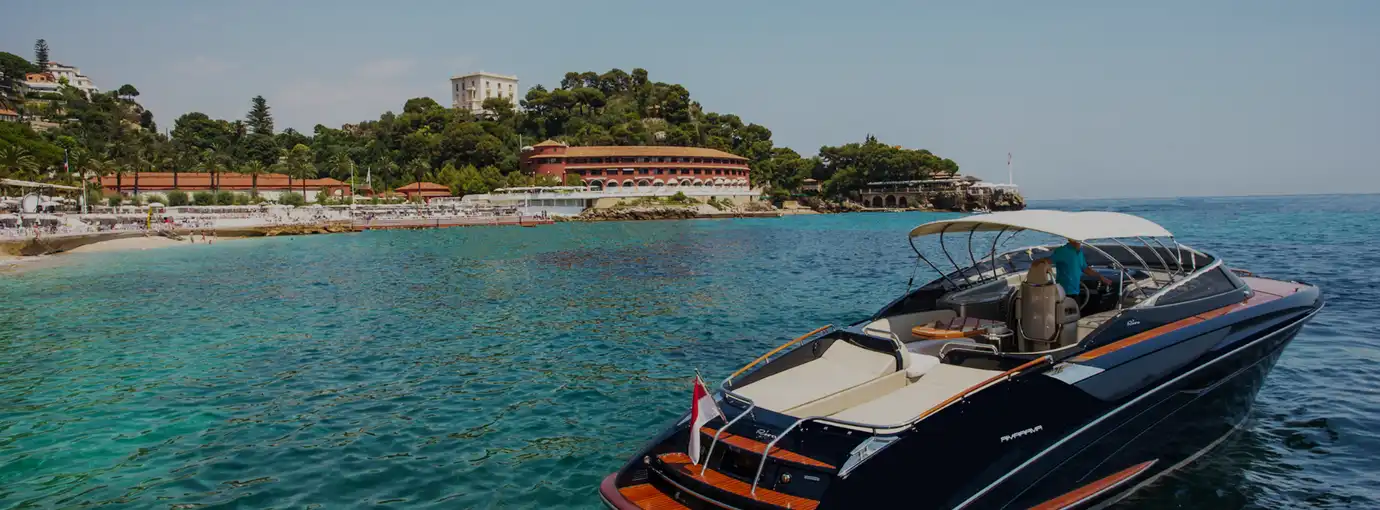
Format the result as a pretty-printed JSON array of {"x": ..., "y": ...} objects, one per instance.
[
  {"x": 919, "y": 364},
  {"x": 850, "y": 397},
  {"x": 841, "y": 367},
  {"x": 935, "y": 386}
]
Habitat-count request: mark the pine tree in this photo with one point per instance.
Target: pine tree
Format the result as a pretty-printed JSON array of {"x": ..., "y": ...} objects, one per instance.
[
  {"x": 260, "y": 120},
  {"x": 41, "y": 55}
]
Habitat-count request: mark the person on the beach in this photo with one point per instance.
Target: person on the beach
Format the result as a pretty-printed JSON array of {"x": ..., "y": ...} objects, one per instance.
[{"x": 1070, "y": 265}]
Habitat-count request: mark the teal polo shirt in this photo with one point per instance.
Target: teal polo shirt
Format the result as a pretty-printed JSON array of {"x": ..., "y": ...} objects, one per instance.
[{"x": 1068, "y": 267}]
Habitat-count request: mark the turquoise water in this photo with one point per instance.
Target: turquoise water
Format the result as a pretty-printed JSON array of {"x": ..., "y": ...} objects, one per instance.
[{"x": 515, "y": 367}]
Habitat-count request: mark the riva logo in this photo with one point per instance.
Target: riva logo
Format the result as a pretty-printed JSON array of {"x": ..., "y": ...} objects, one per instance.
[
  {"x": 1132, "y": 322},
  {"x": 1023, "y": 433},
  {"x": 765, "y": 435}
]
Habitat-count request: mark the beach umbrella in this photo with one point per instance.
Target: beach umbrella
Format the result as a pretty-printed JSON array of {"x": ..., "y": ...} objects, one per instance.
[{"x": 155, "y": 204}]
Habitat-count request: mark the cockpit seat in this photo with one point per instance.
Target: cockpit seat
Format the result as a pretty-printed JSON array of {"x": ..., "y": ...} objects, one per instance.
[{"x": 1044, "y": 310}]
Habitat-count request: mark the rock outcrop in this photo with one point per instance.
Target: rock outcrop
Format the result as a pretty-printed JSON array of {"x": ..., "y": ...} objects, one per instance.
[
  {"x": 293, "y": 230},
  {"x": 636, "y": 214}
]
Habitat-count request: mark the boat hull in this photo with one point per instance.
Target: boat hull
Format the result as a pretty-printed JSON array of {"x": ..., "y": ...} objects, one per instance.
[
  {"x": 1037, "y": 441},
  {"x": 1194, "y": 415}
]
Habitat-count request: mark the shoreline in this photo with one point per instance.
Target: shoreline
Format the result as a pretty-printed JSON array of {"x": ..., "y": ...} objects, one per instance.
[{"x": 23, "y": 254}]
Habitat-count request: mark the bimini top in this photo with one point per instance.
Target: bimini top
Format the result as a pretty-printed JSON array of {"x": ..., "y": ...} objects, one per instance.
[{"x": 1079, "y": 226}]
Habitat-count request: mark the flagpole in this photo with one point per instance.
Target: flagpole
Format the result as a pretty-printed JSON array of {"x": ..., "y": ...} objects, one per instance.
[{"x": 1010, "y": 177}]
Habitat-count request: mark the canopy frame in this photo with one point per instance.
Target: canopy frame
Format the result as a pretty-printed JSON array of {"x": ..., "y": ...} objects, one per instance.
[{"x": 1134, "y": 228}]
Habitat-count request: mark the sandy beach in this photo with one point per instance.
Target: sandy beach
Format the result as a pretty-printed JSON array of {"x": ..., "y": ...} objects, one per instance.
[
  {"x": 140, "y": 243},
  {"x": 13, "y": 263},
  {"x": 128, "y": 244}
]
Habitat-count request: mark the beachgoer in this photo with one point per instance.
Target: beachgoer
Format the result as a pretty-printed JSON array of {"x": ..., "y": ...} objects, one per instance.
[{"x": 1069, "y": 265}]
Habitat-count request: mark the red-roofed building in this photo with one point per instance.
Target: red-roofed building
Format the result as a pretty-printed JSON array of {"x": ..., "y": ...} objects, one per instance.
[
  {"x": 638, "y": 166},
  {"x": 425, "y": 190},
  {"x": 270, "y": 186}
]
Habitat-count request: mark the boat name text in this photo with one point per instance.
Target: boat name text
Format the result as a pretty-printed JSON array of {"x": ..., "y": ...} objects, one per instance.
[{"x": 1023, "y": 433}]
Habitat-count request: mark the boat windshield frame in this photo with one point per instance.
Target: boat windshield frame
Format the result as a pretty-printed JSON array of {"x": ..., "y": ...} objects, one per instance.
[{"x": 963, "y": 277}]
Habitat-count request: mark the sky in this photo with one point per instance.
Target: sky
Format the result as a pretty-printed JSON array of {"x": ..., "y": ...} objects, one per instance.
[{"x": 1092, "y": 98}]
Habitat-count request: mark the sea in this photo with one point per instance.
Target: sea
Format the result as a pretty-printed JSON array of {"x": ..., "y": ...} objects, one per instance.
[{"x": 499, "y": 367}]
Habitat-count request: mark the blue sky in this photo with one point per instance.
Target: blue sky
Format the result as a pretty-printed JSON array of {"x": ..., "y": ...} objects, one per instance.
[{"x": 1094, "y": 98}]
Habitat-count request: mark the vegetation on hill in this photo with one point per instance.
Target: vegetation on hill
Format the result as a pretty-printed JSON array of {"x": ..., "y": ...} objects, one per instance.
[{"x": 111, "y": 134}]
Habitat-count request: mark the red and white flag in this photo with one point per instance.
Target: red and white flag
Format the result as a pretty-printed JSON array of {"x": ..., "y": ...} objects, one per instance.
[{"x": 702, "y": 409}]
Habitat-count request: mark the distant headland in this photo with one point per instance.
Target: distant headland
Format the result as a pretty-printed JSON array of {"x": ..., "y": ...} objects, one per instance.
[{"x": 60, "y": 128}]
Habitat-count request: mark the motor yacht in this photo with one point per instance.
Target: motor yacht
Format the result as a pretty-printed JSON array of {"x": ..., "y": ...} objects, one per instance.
[{"x": 990, "y": 386}]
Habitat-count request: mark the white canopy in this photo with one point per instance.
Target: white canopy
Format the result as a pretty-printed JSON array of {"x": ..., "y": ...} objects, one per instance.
[{"x": 1079, "y": 226}]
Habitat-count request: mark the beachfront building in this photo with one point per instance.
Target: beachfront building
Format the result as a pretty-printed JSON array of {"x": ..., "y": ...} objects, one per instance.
[
  {"x": 270, "y": 186},
  {"x": 614, "y": 175},
  {"x": 468, "y": 92},
  {"x": 7, "y": 115},
  {"x": 632, "y": 168},
  {"x": 424, "y": 190},
  {"x": 944, "y": 191}
]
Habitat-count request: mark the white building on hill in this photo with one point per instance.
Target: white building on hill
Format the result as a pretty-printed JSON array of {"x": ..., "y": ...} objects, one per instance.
[
  {"x": 73, "y": 77},
  {"x": 469, "y": 91}
]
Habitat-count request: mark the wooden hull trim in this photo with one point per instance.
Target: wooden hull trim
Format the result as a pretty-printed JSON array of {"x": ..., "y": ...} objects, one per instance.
[{"x": 1092, "y": 491}]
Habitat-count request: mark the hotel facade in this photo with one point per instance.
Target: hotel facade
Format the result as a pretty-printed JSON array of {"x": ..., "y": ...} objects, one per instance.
[
  {"x": 468, "y": 92},
  {"x": 639, "y": 167}
]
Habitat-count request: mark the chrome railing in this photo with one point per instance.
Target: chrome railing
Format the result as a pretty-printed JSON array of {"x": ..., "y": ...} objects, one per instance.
[{"x": 715, "y": 442}]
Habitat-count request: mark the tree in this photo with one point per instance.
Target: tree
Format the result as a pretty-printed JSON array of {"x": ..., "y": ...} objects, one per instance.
[
  {"x": 299, "y": 165},
  {"x": 146, "y": 121},
  {"x": 340, "y": 165},
  {"x": 418, "y": 168},
  {"x": 573, "y": 180},
  {"x": 214, "y": 161},
  {"x": 259, "y": 147},
  {"x": 259, "y": 119},
  {"x": 100, "y": 166},
  {"x": 254, "y": 169},
  {"x": 16, "y": 162},
  {"x": 12, "y": 70},
  {"x": 199, "y": 132},
  {"x": 41, "y": 55},
  {"x": 127, "y": 92}
]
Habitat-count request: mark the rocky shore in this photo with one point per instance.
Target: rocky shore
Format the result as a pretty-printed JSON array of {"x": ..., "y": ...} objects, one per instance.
[
  {"x": 941, "y": 202},
  {"x": 667, "y": 213}
]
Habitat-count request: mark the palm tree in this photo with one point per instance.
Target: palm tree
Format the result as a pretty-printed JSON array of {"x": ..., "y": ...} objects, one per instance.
[
  {"x": 211, "y": 161},
  {"x": 16, "y": 161},
  {"x": 77, "y": 162},
  {"x": 142, "y": 158},
  {"x": 343, "y": 168},
  {"x": 184, "y": 160},
  {"x": 118, "y": 168},
  {"x": 101, "y": 167},
  {"x": 253, "y": 169},
  {"x": 299, "y": 165}
]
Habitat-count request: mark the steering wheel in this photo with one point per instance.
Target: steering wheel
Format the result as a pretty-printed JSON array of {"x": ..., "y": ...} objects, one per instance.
[{"x": 1084, "y": 294}]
